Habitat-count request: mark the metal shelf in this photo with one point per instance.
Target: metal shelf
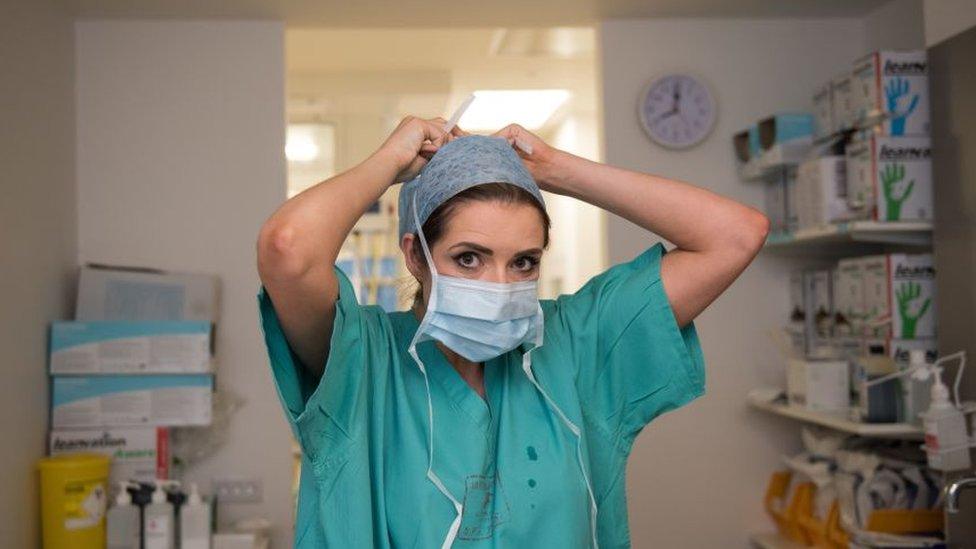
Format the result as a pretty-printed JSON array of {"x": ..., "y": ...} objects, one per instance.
[
  {"x": 836, "y": 421},
  {"x": 775, "y": 159},
  {"x": 904, "y": 233}
]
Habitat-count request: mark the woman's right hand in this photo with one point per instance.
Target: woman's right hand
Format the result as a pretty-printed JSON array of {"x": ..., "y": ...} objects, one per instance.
[{"x": 414, "y": 141}]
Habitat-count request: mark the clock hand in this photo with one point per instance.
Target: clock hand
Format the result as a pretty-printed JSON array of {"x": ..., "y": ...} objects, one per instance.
[{"x": 668, "y": 114}]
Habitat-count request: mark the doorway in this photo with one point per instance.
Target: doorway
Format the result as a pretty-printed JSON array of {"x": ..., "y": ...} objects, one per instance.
[{"x": 347, "y": 89}]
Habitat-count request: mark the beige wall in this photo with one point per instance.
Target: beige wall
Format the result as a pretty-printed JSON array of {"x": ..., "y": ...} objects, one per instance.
[
  {"x": 180, "y": 159},
  {"x": 947, "y": 18},
  {"x": 696, "y": 476},
  {"x": 37, "y": 239},
  {"x": 896, "y": 25}
]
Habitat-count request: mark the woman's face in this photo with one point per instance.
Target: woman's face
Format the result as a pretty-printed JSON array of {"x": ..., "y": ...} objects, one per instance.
[{"x": 484, "y": 240}]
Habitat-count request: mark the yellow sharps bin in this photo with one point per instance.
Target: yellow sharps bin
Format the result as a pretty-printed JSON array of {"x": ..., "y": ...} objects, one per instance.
[{"x": 74, "y": 493}]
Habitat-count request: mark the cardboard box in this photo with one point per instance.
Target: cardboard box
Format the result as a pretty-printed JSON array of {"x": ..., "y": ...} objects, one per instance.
[
  {"x": 121, "y": 400},
  {"x": 843, "y": 114},
  {"x": 138, "y": 453},
  {"x": 821, "y": 191},
  {"x": 823, "y": 110},
  {"x": 130, "y": 293},
  {"x": 821, "y": 385},
  {"x": 912, "y": 295},
  {"x": 893, "y": 87},
  {"x": 107, "y": 347},
  {"x": 890, "y": 178},
  {"x": 785, "y": 128},
  {"x": 900, "y": 296}
]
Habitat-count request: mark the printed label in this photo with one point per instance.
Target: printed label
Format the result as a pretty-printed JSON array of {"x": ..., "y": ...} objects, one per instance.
[
  {"x": 485, "y": 507},
  {"x": 84, "y": 504}
]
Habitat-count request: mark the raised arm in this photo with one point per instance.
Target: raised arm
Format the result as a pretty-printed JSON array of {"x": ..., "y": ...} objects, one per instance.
[
  {"x": 297, "y": 246},
  {"x": 716, "y": 237}
]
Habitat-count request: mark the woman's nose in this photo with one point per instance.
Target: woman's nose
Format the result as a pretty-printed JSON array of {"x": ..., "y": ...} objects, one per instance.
[{"x": 499, "y": 274}]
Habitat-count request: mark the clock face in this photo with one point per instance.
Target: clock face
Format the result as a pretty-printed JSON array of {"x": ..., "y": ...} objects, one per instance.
[{"x": 677, "y": 111}]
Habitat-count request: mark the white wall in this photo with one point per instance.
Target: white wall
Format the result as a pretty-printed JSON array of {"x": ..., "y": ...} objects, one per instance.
[
  {"x": 696, "y": 476},
  {"x": 947, "y": 18},
  {"x": 37, "y": 239},
  {"x": 896, "y": 25},
  {"x": 180, "y": 159}
]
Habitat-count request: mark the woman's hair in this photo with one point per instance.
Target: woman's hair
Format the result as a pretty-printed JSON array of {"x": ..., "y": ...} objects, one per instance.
[{"x": 506, "y": 193}]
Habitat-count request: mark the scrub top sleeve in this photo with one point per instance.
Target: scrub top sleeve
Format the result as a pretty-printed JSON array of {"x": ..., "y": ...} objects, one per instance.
[
  {"x": 321, "y": 413},
  {"x": 644, "y": 364}
]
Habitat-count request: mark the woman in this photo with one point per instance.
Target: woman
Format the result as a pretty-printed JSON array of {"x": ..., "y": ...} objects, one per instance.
[{"x": 484, "y": 417}]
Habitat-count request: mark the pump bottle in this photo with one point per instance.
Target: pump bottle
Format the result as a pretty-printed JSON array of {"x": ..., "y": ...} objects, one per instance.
[
  {"x": 122, "y": 521},
  {"x": 946, "y": 438},
  {"x": 195, "y": 521},
  {"x": 159, "y": 531}
]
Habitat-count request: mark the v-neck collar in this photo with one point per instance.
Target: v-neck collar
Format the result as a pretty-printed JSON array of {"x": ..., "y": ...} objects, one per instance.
[{"x": 462, "y": 395}]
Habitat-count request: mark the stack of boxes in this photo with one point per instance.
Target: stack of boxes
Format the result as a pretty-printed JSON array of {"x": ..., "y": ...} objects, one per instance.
[
  {"x": 136, "y": 361},
  {"x": 863, "y": 315},
  {"x": 889, "y": 165},
  {"x": 884, "y": 171}
]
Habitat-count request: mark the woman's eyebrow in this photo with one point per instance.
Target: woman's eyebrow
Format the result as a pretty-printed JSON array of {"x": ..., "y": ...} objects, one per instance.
[{"x": 475, "y": 247}]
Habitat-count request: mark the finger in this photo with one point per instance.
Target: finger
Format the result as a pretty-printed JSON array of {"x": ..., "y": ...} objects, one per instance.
[{"x": 434, "y": 129}]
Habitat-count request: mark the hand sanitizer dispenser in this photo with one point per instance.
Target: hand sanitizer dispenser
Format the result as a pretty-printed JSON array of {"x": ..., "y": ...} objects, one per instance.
[
  {"x": 195, "y": 521},
  {"x": 122, "y": 521},
  {"x": 159, "y": 528}
]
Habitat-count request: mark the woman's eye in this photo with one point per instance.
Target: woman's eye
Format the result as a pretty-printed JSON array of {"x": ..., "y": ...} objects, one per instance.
[
  {"x": 526, "y": 263},
  {"x": 467, "y": 260}
]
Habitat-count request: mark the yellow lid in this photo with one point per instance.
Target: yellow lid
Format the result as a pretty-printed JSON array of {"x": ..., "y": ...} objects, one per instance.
[{"x": 74, "y": 460}]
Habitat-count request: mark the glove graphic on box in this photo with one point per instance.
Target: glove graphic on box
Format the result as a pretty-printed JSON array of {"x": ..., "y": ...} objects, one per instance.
[
  {"x": 909, "y": 309},
  {"x": 891, "y": 176},
  {"x": 900, "y": 103}
]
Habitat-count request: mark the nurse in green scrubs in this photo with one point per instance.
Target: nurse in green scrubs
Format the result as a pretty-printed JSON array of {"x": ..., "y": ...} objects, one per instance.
[{"x": 483, "y": 416}]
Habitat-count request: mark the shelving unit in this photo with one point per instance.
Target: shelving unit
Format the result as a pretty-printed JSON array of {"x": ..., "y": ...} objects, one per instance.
[
  {"x": 838, "y": 421},
  {"x": 772, "y": 540},
  {"x": 779, "y": 157},
  {"x": 902, "y": 233}
]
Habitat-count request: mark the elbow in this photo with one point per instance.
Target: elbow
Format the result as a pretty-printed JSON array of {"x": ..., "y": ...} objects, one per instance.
[
  {"x": 752, "y": 235},
  {"x": 277, "y": 253}
]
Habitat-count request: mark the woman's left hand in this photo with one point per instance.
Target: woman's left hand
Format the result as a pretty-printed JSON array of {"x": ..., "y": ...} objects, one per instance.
[{"x": 536, "y": 154}]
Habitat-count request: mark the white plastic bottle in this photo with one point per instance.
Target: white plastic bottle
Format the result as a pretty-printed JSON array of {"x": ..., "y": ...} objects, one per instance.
[
  {"x": 195, "y": 521},
  {"x": 946, "y": 439},
  {"x": 158, "y": 531},
  {"x": 122, "y": 521}
]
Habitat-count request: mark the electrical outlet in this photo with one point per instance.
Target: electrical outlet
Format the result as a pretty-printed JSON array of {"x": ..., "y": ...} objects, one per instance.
[{"x": 237, "y": 490}]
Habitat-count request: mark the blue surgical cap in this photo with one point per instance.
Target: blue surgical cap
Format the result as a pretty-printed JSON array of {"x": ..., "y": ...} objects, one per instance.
[{"x": 459, "y": 164}]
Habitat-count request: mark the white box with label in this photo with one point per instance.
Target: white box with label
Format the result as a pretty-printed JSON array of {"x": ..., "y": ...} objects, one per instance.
[
  {"x": 893, "y": 87},
  {"x": 126, "y": 400},
  {"x": 146, "y": 347},
  {"x": 822, "y": 192},
  {"x": 842, "y": 96},
  {"x": 900, "y": 296},
  {"x": 821, "y": 385},
  {"x": 890, "y": 178},
  {"x": 138, "y": 453},
  {"x": 132, "y": 293}
]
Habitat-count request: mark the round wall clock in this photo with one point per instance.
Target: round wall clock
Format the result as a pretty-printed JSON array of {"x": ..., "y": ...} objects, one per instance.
[{"x": 677, "y": 111}]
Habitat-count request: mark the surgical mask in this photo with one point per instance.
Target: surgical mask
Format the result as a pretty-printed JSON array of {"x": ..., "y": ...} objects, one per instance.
[{"x": 482, "y": 320}]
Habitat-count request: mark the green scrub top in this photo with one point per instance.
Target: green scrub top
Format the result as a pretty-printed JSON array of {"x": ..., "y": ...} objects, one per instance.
[{"x": 613, "y": 358}]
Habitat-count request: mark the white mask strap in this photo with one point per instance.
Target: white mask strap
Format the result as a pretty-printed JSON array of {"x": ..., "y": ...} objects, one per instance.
[
  {"x": 527, "y": 368},
  {"x": 412, "y": 350}
]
